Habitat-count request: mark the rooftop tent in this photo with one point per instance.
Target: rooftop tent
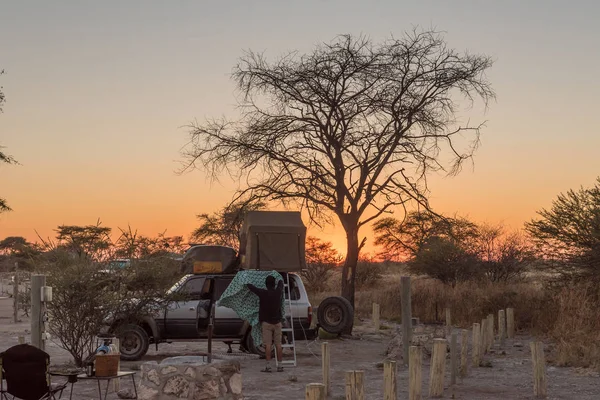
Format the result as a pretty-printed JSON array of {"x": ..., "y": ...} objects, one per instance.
[
  {"x": 273, "y": 240},
  {"x": 209, "y": 259}
]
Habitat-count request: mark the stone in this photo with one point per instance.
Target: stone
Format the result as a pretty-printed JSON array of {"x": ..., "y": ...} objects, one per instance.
[
  {"x": 212, "y": 371},
  {"x": 168, "y": 370},
  {"x": 184, "y": 360},
  {"x": 146, "y": 393},
  {"x": 518, "y": 344},
  {"x": 207, "y": 390},
  {"x": 235, "y": 383},
  {"x": 126, "y": 394},
  {"x": 191, "y": 373},
  {"x": 178, "y": 386},
  {"x": 153, "y": 377}
]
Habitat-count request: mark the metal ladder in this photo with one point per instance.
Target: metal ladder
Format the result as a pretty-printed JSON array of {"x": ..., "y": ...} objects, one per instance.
[{"x": 290, "y": 329}]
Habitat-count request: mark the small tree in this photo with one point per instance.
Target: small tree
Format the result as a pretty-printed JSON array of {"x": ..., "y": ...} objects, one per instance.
[
  {"x": 90, "y": 241},
  {"x": 224, "y": 226},
  {"x": 404, "y": 239},
  {"x": 348, "y": 131},
  {"x": 568, "y": 234},
  {"x": 132, "y": 245},
  {"x": 4, "y": 158},
  {"x": 504, "y": 256},
  {"x": 444, "y": 259},
  {"x": 321, "y": 259},
  {"x": 84, "y": 298}
]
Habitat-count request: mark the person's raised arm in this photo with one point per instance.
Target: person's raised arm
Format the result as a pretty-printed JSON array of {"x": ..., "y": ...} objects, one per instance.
[{"x": 254, "y": 289}]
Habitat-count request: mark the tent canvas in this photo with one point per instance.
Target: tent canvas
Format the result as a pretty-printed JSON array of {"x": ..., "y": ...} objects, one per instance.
[{"x": 273, "y": 240}]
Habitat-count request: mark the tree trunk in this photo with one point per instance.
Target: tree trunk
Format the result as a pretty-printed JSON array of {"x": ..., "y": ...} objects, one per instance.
[{"x": 349, "y": 270}]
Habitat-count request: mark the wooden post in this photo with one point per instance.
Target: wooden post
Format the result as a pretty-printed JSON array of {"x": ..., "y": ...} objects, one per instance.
[
  {"x": 37, "y": 281},
  {"x": 16, "y": 294},
  {"x": 453, "y": 358},
  {"x": 510, "y": 322},
  {"x": 355, "y": 385},
  {"x": 540, "y": 390},
  {"x": 476, "y": 345},
  {"x": 376, "y": 323},
  {"x": 448, "y": 322},
  {"x": 117, "y": 382},
  {"x": 389, "y": 380},
  {"x": 315, "y": 391},
  {"x": 464, "y": 353},
  {"x": 406, "y": 317},
  {"x": 21, "y": 339},
  {"x": 415, "y": 382},
  {"x": 483, "y": 337},
  {"x": 438, "y": 366},
  {"x": 359, "y": 388},
  {"x": 350, "y": 383},
  {"x": 210, "y": 335},
  {"x": 325, "y": 363},
  {"x": 501, "y": 327},
  {"x": 491, "y": 335}
]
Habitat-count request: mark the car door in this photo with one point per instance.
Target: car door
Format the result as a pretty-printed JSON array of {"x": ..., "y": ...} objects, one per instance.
[
  {"x": 227, "y": 322},
  {"x": 181, "y": 316}
]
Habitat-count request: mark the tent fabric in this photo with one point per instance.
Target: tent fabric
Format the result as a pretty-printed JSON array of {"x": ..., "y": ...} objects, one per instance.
[
  {"x": 273, "y": 240},
  {"x": 245, "y": 303}
]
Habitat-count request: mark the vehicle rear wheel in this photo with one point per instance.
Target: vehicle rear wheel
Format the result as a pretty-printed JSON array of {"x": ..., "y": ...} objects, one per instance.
[
  {"x": 335, "y": 314},
  {"x": 133, "y": 342}
]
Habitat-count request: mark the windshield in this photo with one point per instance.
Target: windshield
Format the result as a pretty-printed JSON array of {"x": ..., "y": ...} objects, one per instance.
[{"x": 177, "y": 285}]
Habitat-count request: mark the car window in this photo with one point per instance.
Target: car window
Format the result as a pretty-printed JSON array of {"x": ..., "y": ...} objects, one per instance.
[
  {"x": 221, "y": 285},
  {"x": 194, "y": 288},
  {"x": 294, "y": 290}
]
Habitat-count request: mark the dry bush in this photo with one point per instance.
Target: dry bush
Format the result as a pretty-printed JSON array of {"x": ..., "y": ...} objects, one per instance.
[{"x": 576, "y": 326}]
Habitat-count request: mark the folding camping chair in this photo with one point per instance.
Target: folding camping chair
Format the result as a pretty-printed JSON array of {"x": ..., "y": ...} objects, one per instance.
[{"x": 25, "y": 369}]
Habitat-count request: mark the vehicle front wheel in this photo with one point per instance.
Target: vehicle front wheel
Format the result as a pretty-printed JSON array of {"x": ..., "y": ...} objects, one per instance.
[{"x": 133, "y": 342}]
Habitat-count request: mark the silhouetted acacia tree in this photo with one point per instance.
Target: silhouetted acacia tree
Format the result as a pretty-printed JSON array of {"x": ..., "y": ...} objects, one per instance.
[
  {"x": 568, "y": 234},
  {"x": 349, "y": 130},
  {"x": 224, "y": 226}
]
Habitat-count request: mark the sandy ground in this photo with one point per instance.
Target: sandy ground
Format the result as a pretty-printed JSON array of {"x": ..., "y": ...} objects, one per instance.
[{"x": 509, "y": 376}]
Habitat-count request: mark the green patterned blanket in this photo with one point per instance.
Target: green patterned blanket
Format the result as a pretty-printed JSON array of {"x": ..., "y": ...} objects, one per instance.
[{"x": 245, "y": 303}]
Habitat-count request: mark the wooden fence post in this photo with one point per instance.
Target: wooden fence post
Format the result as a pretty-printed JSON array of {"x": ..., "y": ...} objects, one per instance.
[
  {"x": 406, "y": 317},
  {"x": 37, "y": 326},
  {"x": 390, "y": 389},
  {"x": 483, "y": 337},
  {"x": 501, "y": 327},
  {"x": 491, "y": 336},
  {"x": 376, "y": 323},
  {"x": 16, "y": 294},
  {"x": 476, "y": 345},
  {"x": 438, "y": 367},
  {"x": 453, "y": 358},
  {"x": 350, "y": 385},
  {"x": 415, "y": 380},
  {"x": 325, "y": 363},
  {"x": 464, "y": 353},
  {"x": 315, "y": 391},
  {"x": 117, "y": 382},
  {"x": 448, "y": 321},
  {"x": 510, "y": 322},
  {"x": 540, "y": 390}
]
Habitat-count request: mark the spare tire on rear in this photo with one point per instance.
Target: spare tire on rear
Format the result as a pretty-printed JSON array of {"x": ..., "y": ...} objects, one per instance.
[{"x": 335, "y": 314}]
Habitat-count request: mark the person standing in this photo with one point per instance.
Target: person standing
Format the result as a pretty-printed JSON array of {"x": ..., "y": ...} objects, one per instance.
[{"x": 270, "y": 318}]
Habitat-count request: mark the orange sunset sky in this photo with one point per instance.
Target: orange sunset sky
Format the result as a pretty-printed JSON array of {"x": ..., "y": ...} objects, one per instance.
[{"x": 98, "y": 94}]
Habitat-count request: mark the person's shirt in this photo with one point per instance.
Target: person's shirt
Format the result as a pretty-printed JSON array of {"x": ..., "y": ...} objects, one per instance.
[{"x": 269, "y": 309}]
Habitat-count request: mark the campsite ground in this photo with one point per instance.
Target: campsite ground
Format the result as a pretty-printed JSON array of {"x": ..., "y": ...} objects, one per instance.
[{"x": 509, "y": 376}]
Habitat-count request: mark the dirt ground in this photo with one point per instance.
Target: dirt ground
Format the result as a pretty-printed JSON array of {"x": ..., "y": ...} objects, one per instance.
[{"x": 509, "y": 376}]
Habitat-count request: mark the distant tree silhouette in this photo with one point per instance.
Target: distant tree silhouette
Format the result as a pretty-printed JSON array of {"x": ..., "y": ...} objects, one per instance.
[
  {"x": 348, "y": 131},
  {"x": 224, "y": 226},
  {"x": 568, "y": 234}
]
